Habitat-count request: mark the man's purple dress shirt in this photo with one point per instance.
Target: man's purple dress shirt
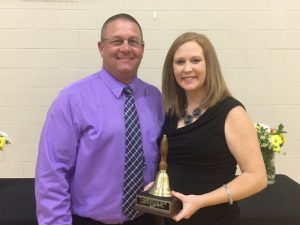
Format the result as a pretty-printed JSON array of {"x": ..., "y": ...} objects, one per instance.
[{"x": 80, "y": 166}]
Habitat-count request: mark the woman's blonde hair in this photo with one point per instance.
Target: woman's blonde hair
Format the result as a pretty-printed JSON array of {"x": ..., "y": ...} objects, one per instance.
[{"x": 215, "y": 86}]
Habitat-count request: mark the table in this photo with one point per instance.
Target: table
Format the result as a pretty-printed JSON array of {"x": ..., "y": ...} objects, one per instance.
[
  {"x": 17, "y": 201},
  {"x": 278, "y": 204}
]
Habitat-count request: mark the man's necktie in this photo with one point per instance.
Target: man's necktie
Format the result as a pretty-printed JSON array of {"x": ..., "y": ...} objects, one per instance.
[{"x": 134, "y": 160}]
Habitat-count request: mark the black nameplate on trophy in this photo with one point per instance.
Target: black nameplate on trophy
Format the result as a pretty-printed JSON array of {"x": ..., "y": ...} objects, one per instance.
[{"x": 161, "y": 206}]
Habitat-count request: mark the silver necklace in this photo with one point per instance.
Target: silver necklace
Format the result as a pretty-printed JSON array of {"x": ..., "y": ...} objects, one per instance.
[{"x": 188, "y": 118}]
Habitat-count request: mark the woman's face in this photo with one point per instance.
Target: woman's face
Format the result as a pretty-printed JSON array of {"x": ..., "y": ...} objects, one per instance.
[{"x": 190, "y": 68}]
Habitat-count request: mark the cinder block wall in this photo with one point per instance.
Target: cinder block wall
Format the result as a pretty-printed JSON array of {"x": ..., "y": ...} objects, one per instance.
[{"x": 47, "y": 44}]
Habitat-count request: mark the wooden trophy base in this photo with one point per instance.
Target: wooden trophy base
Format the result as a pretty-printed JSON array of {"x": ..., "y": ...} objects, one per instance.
[{"x": 161, "y": 206}]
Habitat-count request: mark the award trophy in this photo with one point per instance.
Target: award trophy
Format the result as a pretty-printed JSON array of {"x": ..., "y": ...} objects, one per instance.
[{"x": 159, "y": 200}]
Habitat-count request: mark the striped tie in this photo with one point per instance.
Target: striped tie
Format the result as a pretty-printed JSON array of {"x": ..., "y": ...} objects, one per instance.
[{"x": 134, "y": 160}]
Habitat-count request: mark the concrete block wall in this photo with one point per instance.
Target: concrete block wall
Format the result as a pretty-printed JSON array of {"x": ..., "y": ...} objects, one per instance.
[{"x": 47, "y": 44}]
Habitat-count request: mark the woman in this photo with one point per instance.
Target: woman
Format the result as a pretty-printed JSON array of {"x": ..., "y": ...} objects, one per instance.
[{"x": 209, "y": 133}]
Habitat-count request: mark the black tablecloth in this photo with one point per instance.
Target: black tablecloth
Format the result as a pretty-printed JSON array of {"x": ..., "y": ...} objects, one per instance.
[
  {"x": 278, "y": 204},
  {"x": 17, "y": 202}
]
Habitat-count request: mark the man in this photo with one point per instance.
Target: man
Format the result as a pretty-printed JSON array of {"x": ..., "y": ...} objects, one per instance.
[{"x": 81, "y": 160}]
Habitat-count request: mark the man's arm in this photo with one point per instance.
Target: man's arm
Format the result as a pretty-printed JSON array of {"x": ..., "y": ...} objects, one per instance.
[{"x": 55, "y": 164}]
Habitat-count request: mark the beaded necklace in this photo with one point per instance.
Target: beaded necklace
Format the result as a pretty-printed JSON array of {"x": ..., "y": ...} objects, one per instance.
[{"x": 188, "y": 118}]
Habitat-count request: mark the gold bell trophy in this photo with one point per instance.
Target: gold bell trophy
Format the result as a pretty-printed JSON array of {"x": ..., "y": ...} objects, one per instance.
[{"x": 159, "y": 200}]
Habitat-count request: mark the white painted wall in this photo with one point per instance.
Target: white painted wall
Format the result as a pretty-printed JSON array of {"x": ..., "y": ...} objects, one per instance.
[{"x": 47, "y": 44}]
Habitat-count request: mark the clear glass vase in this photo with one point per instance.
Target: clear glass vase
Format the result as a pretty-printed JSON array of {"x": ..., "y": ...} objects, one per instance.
[{"x": 269, "y": 160}]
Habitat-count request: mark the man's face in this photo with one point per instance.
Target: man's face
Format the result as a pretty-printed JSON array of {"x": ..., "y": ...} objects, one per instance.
[{"x": 122, "y": 49}]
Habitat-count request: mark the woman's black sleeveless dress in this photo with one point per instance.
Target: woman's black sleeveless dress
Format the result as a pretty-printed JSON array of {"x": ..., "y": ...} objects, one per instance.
[{"x": 199, "y": 161}]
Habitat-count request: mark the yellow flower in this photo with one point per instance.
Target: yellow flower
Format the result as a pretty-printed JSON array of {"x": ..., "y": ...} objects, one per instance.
[
  {"x": 4, "y": 139},
  {"x": 270, "y": 138},
  {"x": 2, "y": 142},
  {"x": 276, "y": 148},
  {"x": 276, "y": 140}
]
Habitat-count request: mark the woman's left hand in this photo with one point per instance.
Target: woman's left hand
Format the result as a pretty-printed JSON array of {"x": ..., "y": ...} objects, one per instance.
[{"x": 190, "y": 205}]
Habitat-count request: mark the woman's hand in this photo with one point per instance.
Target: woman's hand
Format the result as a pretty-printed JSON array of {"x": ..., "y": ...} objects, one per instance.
[{"x": 190, "y": 204}]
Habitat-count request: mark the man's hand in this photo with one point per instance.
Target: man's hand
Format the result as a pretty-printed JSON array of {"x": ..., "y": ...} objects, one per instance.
[{"x": 148, "y": 186}]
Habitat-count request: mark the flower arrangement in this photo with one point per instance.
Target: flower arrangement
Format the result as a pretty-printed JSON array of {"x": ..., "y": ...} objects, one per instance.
[
  {"x": 4, "y": 140},
  {"x": 271, "y": 141}
]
